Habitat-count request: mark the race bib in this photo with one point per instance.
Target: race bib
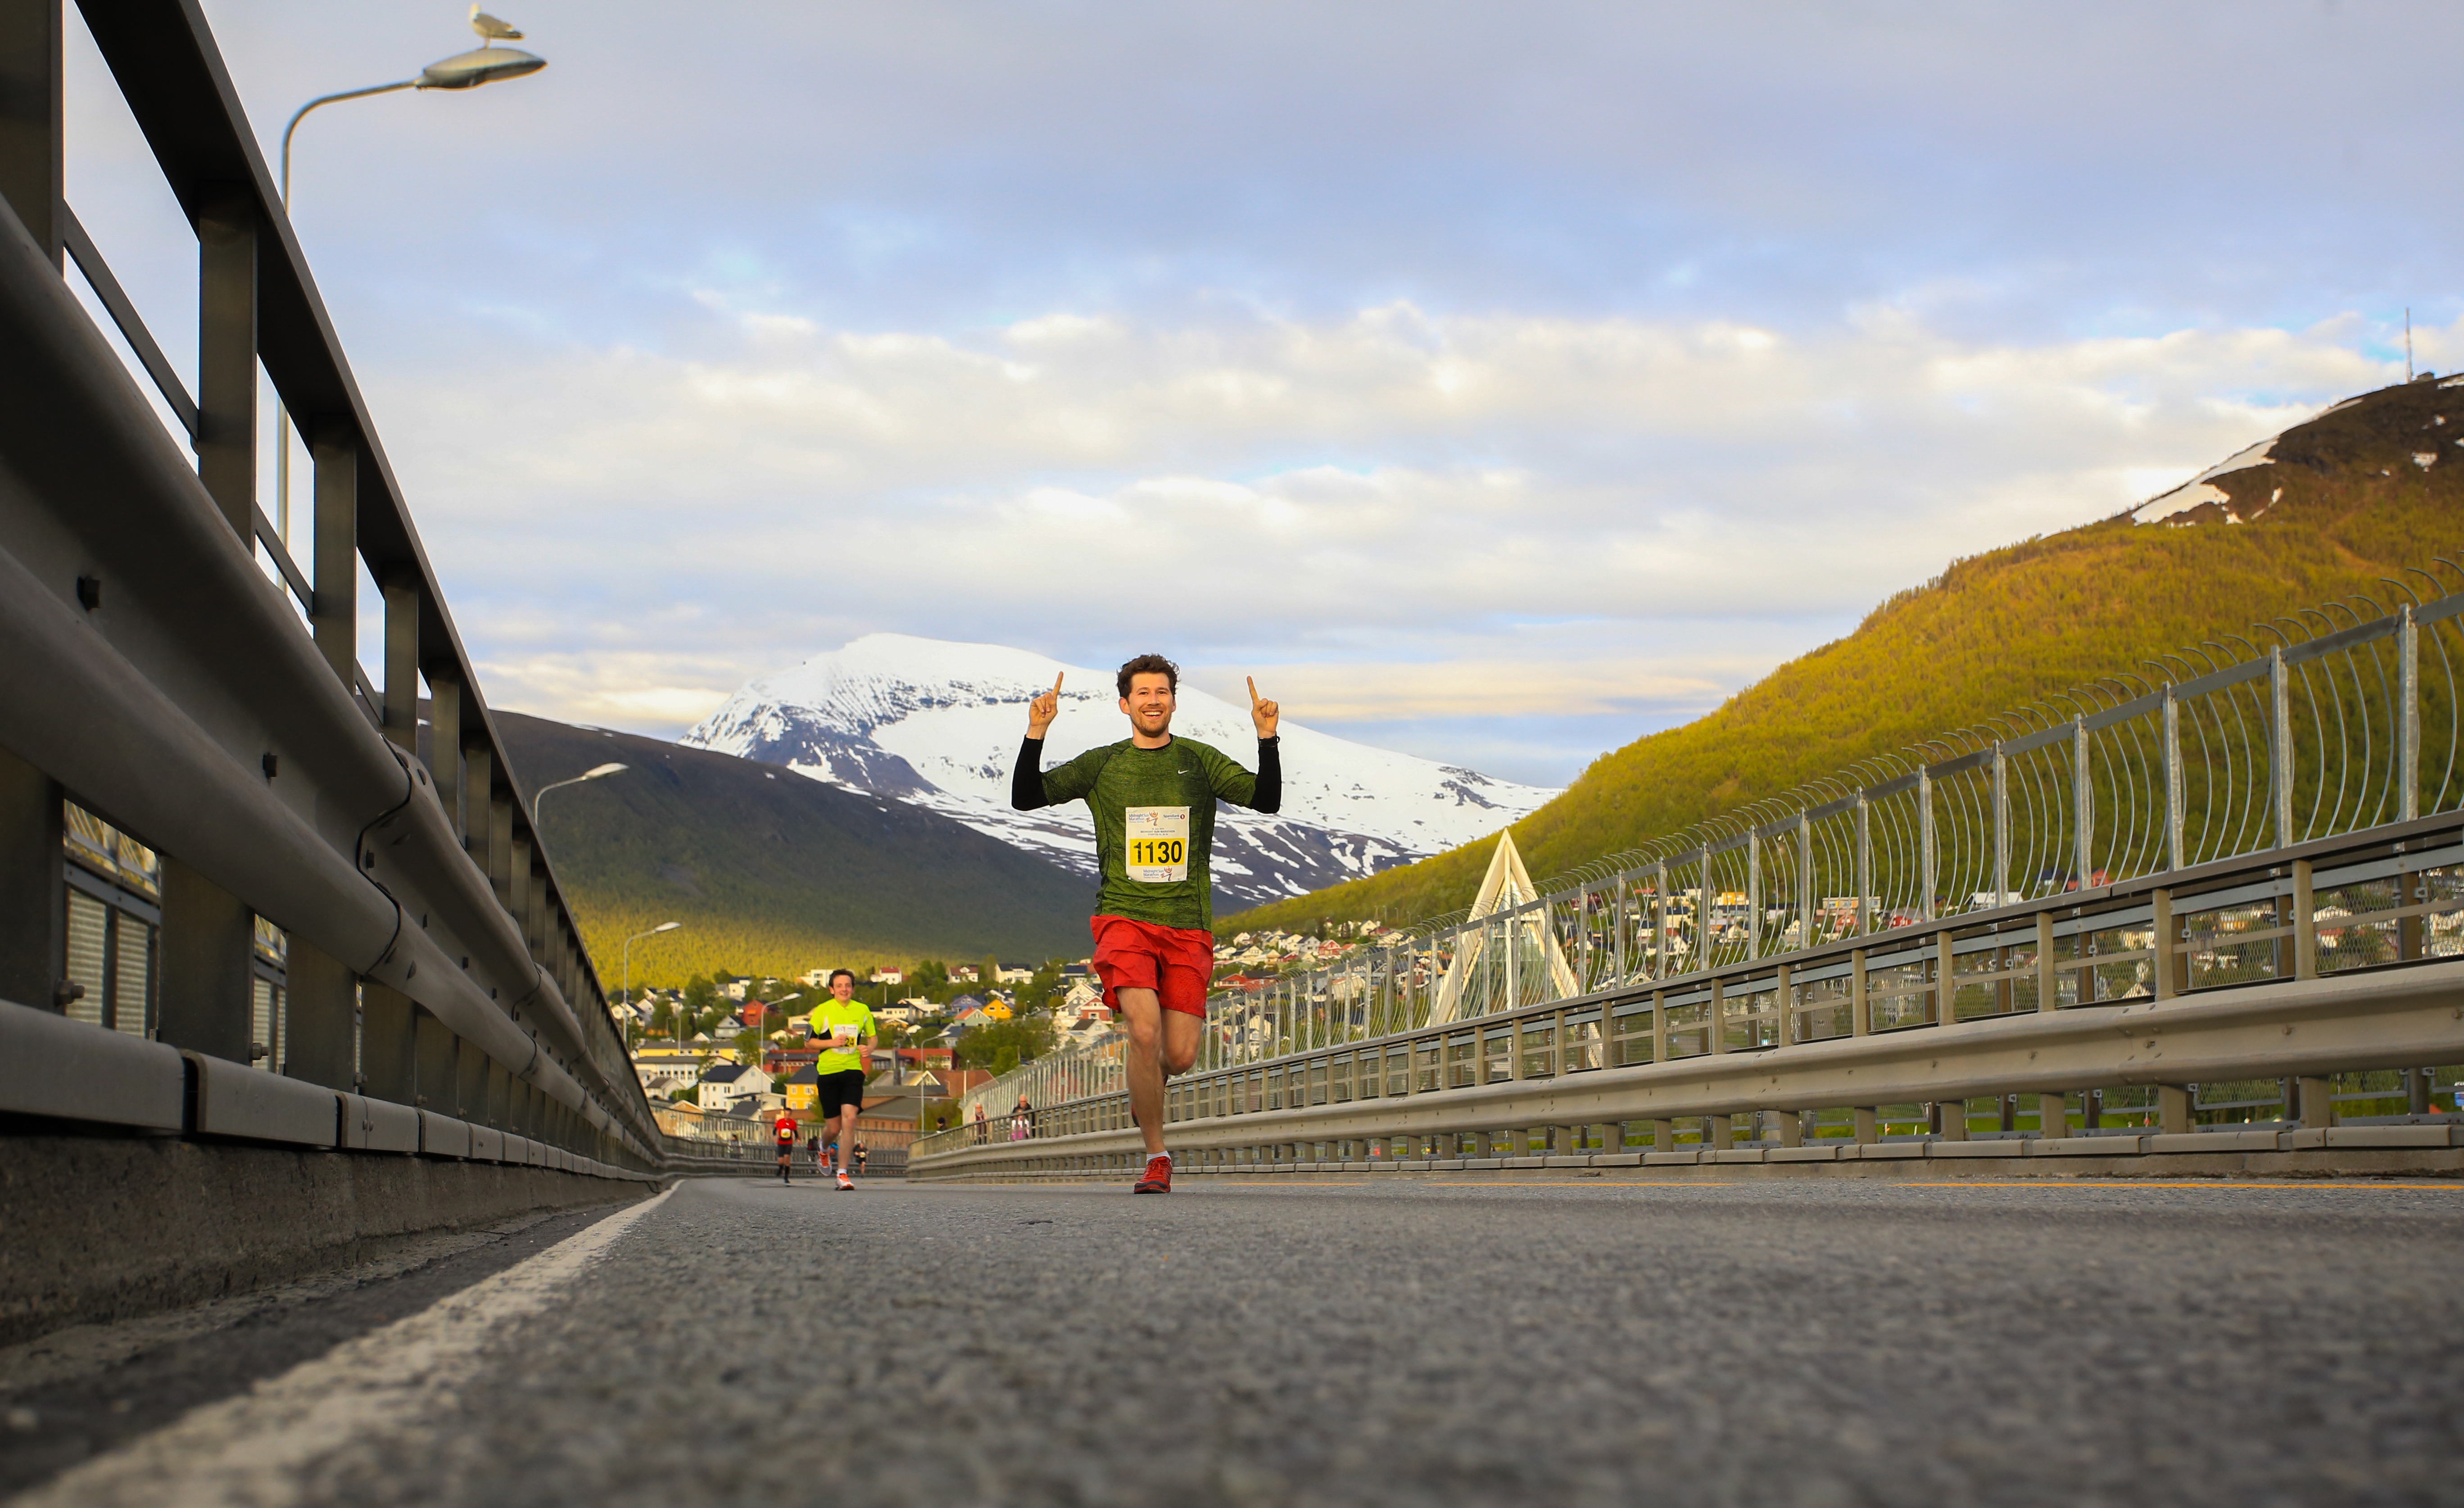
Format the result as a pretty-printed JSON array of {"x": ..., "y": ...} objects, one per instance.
[{"x": 1158, "y": 838}]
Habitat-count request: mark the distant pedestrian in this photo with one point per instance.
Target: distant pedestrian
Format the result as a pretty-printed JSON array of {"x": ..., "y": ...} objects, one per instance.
[
  {"x": 786, "y": 1133},
  {"x": 984, "y": 1133},
  {"x": 1021, "y": 1120},
  {"x": 859, "y": 1159}
]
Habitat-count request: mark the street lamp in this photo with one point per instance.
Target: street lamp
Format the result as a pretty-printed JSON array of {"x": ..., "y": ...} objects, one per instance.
[
  {"x": 599, "y": 774},
  {"x": 483, "y": 65},
  {"x": 627, "y": 952}
]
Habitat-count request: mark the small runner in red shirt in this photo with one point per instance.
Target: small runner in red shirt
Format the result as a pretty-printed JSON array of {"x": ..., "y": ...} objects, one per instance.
[
  {"x": 786, "y": 1134},
  {"x": 1154, "y": 798}
]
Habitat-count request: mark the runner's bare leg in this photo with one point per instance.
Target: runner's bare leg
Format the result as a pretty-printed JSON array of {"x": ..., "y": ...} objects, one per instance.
[
  {"x": 847, "y": 1134},
  {"x": 1161, "y": 1044}
]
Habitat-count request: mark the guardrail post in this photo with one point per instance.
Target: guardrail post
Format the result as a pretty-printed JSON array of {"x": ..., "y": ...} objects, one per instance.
[
  {"x": 1861, "y": 1013},
  {"x": 1722, "y": 1131},
  {"x": 1719, "y": 1032},
  {"x": 2408, "y": 718},
  {"x": 226, "y": 296},
  {"x": 1753, "y": 893},
  {"x": 1868, "y": 1132},
  {"x": 445, "y": 741},
  {"x": 2082, "y": 804},
  {"x": 206, "y": 997},
  {"x": 323, "y": 1002},
  {"x": 1791, "y": 1128},
  {"x": 334, "y": 609},
  {"x": 1804, "y": 881},
  {"x": 2173, "y": 782},
  {"x": 2053, "y": 1116},
  {"x": 2049, "y": 978},
  {"x": 2001, "y": 826},
  {"x": 1660, "y": 1026},
  {"x": 388, "y": 1045},
  {"x": 2318, "y": 1108},
  {"x": 1663, "y": 1136},
  {"x": 1660, "y": 925},
  {"x": 2165, "y": 956},
  {"x": 1784, "y": 999},
  {"x": 2279, "y": 745},
  {"x": 500, "y": 849},
  {"x": 401, "y": 660},
  {"x": 435, "y": 1086},
  {"x": 2172, "y": 1109},
  {"x": 2305, "y": 922},
  {"x": 31, "y": 162},
  {"x": 1924, "y": 844},
  {"x": 471, "y": 1082},
  {"x": 1865, "y": 865},
  {"x": 34, "y": 891},
  {"x": 1946, "y": 981}
]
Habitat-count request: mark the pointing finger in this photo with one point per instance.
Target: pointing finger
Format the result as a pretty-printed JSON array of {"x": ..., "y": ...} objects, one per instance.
[
  {"x": 1253, "y": 690},
  {"x": 1056, "y": 686}
]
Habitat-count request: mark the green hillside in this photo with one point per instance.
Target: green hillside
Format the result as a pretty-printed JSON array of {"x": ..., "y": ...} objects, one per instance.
[
  {"x": 2345, "y": 504},
  {"x": 773, "y": 873}
]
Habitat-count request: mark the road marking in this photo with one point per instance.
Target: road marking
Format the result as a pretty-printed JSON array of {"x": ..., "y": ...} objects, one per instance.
[{"x": 248, "y": 1450}]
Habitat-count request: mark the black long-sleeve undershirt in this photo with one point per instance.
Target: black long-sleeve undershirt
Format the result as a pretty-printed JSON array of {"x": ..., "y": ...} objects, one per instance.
[{"x": 1026, "y": 782}]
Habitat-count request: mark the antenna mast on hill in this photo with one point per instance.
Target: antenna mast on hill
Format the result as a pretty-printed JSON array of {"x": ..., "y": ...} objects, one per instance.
[{"x": 2408, "y": 344}]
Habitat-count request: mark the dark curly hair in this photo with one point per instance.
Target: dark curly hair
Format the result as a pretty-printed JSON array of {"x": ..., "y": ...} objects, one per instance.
[
  {"x": 835, "y": 972},
  {"x": 1150, "y": 665}
]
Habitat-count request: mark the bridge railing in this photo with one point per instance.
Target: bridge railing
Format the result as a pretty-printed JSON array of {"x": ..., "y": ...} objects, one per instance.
[
  {"x": 281, "y": 898},
  {"x": 2235, "y": 814}
]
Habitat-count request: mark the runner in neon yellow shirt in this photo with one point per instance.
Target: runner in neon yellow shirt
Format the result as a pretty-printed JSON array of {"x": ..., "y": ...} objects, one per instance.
[{"x": 842, "y": 1025}]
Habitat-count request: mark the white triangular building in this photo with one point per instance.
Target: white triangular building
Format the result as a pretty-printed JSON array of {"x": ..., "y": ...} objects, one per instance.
[{"x": 1506, "y": 885}]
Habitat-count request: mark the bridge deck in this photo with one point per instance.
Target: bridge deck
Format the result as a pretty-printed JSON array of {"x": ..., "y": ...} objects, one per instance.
[{"x": 1808, "y": 1342}]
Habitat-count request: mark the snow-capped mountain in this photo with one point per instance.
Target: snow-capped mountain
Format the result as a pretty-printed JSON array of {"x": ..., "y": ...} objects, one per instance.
[{"x": 938, "y": 725}]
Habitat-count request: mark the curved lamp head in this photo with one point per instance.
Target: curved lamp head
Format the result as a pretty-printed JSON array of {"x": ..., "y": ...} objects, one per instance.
[
  {"x": 667, "y": 926},
  {"x": 603, "y": 769},
  {"x": 483, "y": 65}
]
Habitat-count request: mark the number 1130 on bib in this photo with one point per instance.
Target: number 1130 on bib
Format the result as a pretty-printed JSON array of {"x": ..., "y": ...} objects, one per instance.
[{"x": 1158, "y": 843}]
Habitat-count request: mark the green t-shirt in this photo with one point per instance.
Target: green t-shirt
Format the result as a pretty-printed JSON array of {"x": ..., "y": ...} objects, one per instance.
[
  {"x": 1155, "y": 824},
  {"x": 828, "y": 1018}
]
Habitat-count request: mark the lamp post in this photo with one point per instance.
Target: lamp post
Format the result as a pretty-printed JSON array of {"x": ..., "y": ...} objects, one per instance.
[
  {"x": 483, "y": 65},
  {"x": 600, "y": 774},
  {"x": 627, "y": 954}
]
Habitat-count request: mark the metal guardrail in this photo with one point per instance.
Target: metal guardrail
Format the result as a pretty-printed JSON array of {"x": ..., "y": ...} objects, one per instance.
[
  {"x": 2221, "y": 822},
  {"x": 220, "y": 839}
]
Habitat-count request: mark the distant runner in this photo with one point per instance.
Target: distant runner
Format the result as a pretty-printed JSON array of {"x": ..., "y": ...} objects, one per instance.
[
  {"x": 786, "y": 1133},
  {"x": 842, "y": 1025},
  {"x": 1153, "y": 796}
]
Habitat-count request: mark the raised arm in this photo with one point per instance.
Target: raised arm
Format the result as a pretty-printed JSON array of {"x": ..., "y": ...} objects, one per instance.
[{"x": 1026, "y": 782}]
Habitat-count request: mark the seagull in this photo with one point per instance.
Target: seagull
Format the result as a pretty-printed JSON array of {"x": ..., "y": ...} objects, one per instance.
[{"x": 491, "y": 29}]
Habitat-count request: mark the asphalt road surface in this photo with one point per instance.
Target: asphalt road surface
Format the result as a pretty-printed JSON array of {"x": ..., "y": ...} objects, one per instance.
[{"x": 1805, "y": 1343}]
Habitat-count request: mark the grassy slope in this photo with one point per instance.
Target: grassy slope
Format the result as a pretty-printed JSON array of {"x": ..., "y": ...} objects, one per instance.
[
  {"x": 772, "y": 873},
  {"x": 1993, "y": 632}
]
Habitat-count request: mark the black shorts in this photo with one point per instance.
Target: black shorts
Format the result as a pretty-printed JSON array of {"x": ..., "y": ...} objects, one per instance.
[
  {"x": 844, "y": 1087},
  {"x": 786, "y": 1148}
]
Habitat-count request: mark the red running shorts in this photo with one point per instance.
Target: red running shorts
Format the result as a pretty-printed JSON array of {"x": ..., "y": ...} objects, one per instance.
[{"x": 1175, "y": 962}]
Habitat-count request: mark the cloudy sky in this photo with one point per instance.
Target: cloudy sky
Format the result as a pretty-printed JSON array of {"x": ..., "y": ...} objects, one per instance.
[{"x": 1494, "y": 381}]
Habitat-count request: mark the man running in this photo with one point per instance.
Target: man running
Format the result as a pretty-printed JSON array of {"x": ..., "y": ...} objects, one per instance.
[
  {"x": 1153, "y": 796},
  {"x": 785, "y": 1132},
  {"x": 842, "y": 1025}
]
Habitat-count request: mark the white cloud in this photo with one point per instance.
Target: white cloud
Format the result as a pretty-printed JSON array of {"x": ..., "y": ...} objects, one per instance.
[{"x": 1407, "y": 515}]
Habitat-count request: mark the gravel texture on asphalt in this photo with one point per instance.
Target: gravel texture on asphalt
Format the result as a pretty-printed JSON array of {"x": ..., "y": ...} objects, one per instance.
[{"x": 1804, "y": 1343}]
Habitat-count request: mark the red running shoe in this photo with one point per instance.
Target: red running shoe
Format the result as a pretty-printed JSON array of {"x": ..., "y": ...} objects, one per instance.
[{"x": 1158, "y": 1178}]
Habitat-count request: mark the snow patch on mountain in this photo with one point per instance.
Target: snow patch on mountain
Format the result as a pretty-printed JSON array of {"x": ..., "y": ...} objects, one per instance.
[{"x": 938, "y": 725}]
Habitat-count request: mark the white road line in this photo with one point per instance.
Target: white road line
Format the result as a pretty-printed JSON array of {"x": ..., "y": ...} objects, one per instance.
[{"x": 250, "y": 1449}]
